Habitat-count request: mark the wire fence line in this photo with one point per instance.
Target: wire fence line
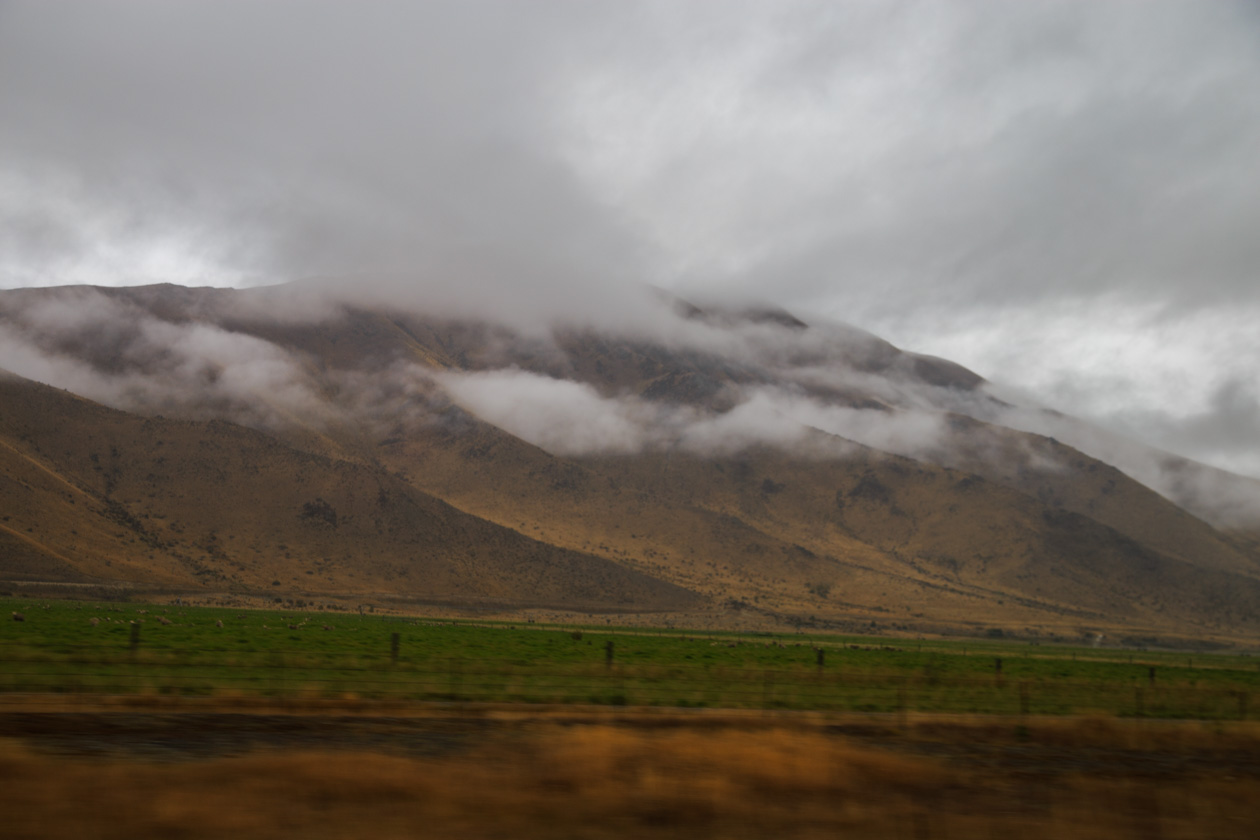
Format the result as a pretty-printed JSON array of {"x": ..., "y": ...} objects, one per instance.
[{"x": 294, "y": 673}]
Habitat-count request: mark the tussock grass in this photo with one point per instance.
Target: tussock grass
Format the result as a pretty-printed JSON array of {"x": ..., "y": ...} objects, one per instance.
[{"x": 601, "y": 780}]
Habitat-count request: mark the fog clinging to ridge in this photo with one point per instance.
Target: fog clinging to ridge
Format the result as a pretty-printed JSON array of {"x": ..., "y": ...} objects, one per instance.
[
  {"x": 1061, "y": 196},
  {"x": 814, "y": 392}
]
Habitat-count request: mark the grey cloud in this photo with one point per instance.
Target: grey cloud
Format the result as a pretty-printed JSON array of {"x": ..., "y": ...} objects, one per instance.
[
  {"x": 571, "y": 418},
  {"x": 561, "y": 416},
  {"x": 1220, "y": 497},
  {"x": 910, "y": 167},
  {"x": 384, "y": 138},
  {"x": 121, "y": 356},
  {"x": 1224, "y": 432},
  {"x": 1030, "y": 150},
  {"x": 820, "y": 392}
]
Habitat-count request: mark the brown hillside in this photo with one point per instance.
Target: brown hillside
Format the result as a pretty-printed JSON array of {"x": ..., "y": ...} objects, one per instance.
[
  {"x": 1080, "y": 484},
  {"x": 884, "y": 539},
  {"x": 361, "y": 474},
  {"x": 92, "y": 494}
]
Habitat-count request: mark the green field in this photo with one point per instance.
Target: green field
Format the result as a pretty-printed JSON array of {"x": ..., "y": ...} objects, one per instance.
[{"x": 131, "y": 649}]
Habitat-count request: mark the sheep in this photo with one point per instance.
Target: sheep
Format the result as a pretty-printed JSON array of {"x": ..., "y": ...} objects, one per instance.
[
  {"x": 219, "y": 623},
  {"x": 17, "y": 616},
  {"x": 94, "y": 621},
  {"x": 163, "y": 620}
]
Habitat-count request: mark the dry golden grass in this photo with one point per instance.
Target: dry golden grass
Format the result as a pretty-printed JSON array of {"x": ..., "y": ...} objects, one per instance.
[
  {"x": 603, "y": 781},
  {"x": 103, "y": 496},
  {"x": 706, "y": 524}
]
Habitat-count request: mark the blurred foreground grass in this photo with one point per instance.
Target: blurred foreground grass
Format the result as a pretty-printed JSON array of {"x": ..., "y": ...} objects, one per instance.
[{"x": 1079, "y": 778}]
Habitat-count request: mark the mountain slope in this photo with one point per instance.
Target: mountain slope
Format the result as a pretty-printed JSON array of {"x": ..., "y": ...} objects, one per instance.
[
  {"x": 92, "y": 494},
  {"x": 890, "y": 540},
  {"x": 734, "y": 465}
]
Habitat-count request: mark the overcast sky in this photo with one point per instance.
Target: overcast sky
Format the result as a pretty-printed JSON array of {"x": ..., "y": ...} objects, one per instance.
[{"x": 1063, "y": 196}]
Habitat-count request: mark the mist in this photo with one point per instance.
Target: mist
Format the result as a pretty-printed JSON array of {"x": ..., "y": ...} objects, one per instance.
[
  {"x": 815, "y": 392},
  {"x": 573, "y": 419},
  {"x": 1059, "y": 196}
]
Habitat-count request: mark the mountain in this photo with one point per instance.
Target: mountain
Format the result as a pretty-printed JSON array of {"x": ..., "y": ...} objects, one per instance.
[
  {"x": 697, "y": 464},
  {"x": 94, "y": 495}
]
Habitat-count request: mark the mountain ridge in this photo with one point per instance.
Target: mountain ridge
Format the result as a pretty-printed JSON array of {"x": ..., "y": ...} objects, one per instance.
[{"x": 701, "y": 471}]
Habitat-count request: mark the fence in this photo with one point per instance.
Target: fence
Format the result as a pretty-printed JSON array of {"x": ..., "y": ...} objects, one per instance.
[{"x": 223, "y": 672}]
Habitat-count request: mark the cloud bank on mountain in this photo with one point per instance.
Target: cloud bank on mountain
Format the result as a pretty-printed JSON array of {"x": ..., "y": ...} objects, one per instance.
[{"x": 1061, "y": 196}]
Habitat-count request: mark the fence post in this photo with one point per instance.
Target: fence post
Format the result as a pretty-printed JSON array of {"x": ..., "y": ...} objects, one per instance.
[
  {"x": 394, "y": 642},
  {"x": 1152, "y": 675},
  {"x": 608, "y": 654},
  {"x": 135, "y": 637},
  {"x": 821, "y": 657}
]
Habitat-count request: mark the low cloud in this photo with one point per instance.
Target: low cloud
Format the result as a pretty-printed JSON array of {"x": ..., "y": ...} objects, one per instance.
[
  {"x": 819, "y": 391},
  {"x": 572, "y": 418},
  {"x": 1002, "y": 184},
  {"x": 563, "y": 417},
  {"x": 1221, "y": 497},
  {"x": 121, "y": 355}
]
